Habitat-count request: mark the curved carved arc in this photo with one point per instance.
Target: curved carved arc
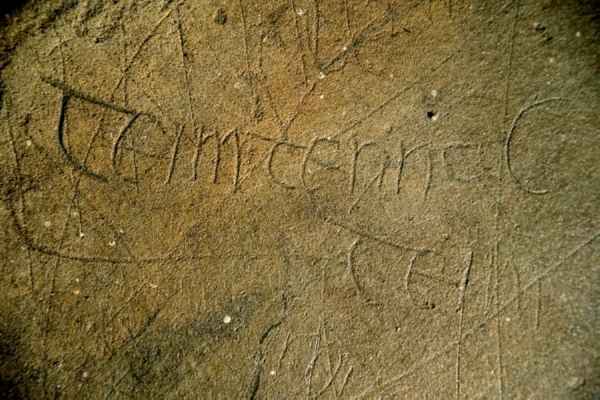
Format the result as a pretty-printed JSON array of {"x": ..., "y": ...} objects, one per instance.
[
  {"x": 67, "y": 94},
  {"x": 508, "y": 141}
]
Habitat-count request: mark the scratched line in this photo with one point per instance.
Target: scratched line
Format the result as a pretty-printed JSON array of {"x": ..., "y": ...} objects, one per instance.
[
  {"x": 390, "y": 383},
  {"x": 390, "y": 100},
  {"x": 368, "y": 235}
]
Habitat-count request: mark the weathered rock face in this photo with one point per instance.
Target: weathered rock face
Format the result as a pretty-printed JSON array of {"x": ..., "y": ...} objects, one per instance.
[{"x": 301, "y": 199}]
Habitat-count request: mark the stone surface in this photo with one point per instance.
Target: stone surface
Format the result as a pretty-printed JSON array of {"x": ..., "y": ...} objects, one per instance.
[{"x": 346, "y": 199}]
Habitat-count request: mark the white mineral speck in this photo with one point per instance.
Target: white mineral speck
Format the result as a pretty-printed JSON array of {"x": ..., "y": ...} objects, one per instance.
[
  {"x": 112, "y": 243},
  {"x": 575, "y": 382},
  {"x": 227, "y": 319},
  {"x": 28, "y": 143},
  {"x": 300, "y": 12},
  {"x": 322, "y": 96},
  {"x": 578, "y": 34},
  {"x": 434, "y": 93},
  {"x": 322, "y": 75},
  {"x": 47, "y": 224},
  {"x": 273, "y": 373}
]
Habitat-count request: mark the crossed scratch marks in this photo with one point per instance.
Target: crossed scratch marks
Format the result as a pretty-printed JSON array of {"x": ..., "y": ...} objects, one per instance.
[
  {"x": 367, "y": 236},
  {"x": 133, "y": 115},
  {"x": 307, "y": 39},
  {"x": 26, "y": 238},
  {"x": 374, "y": 237},
  {"x": 321, "y": 355},
  {"x": 67, "y": 94},
  {"x": 69, "y": 91},
  {"x": 389, "y": 384},
  {"x": 390, "y": 100},
  {"x": 284, "y": 127},
  {"x": 308, "y": 36},
  {"x": 333, "y": 368},
  {"x": 21, "y": 229},
  {"x": 20, "y": 224},
  {"x": 143, "y": 44},
  {"x": 133, "y": 337},
  {"x": 371, "y": 31},
  {"x": 259, "y": 80},
  {"x": 20, "y": 193}
]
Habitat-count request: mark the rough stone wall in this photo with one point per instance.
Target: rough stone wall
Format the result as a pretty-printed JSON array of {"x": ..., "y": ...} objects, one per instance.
[{"x": 300, "y": 199}]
